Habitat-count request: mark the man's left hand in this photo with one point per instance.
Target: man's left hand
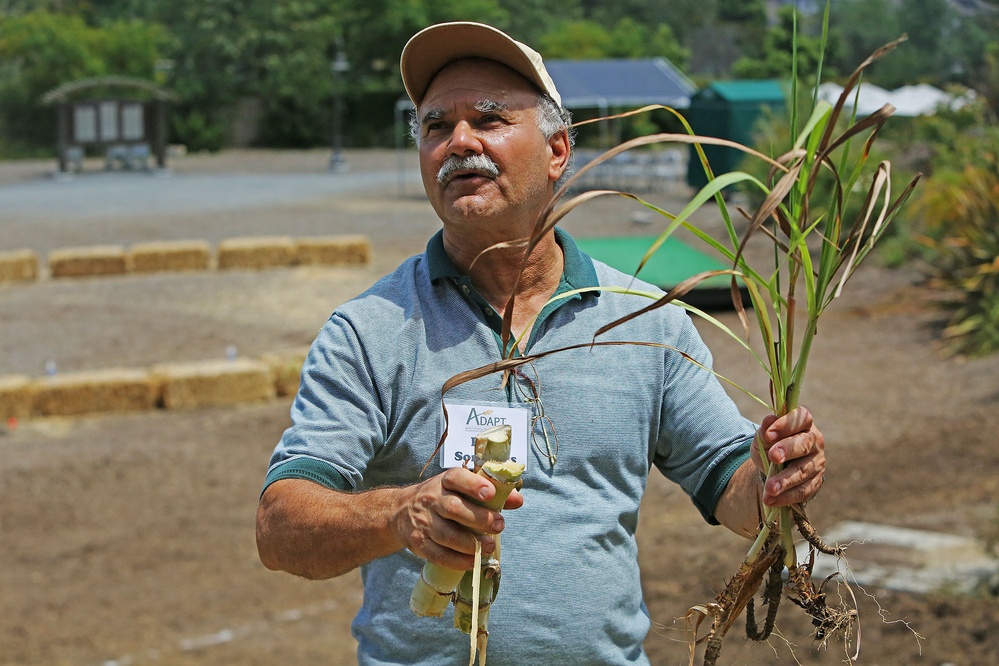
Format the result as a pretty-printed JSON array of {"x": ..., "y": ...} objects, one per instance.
[{"x": 794, "y": 441}]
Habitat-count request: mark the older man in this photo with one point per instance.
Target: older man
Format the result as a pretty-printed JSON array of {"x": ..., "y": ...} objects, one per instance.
[{"x": 344, "y": 488}]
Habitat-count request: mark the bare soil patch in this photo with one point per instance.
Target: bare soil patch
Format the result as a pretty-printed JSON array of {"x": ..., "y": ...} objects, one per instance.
[{"x": 128, "y": 539}]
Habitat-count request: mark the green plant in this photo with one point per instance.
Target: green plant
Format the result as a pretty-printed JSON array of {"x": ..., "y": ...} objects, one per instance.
[
  {"x": 818, "y": 245},
  {"x": 962, "y": 213},
  {"x": 199, "y": 132}
]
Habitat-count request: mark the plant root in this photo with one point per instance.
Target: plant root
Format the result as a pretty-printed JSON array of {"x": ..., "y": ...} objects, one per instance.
[
  {"x": 771, "y": 599},
  {"x": 737, "y": 595},
  {"x": 811, "y": 536},
  {"x": 829, "y": 621}
]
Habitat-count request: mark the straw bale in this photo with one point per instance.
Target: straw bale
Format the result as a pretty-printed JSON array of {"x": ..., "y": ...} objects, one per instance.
[
  {"x": 257, "y": 252},
  {"x": 286, "y": 369},
  {"x": 334, "y": 250},
  {"x": 169, "y": 256},
  {"x": 15, "y": 396},
  {"x": 112, "y": 390},
  {"x": 86, "y": 261},
  {"x": 18, "y": 266},
  {"x": 213, "y": 383}
]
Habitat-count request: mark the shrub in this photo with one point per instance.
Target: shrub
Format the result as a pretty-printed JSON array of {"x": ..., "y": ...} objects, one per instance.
[{"x": 961, "y": 211}]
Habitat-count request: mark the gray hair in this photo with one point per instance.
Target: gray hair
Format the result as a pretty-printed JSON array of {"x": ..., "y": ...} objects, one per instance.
[{"x": 552, "y": 119}]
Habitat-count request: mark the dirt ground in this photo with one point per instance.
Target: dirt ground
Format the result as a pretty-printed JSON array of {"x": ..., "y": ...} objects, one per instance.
[{"x": 128, "y": 539}]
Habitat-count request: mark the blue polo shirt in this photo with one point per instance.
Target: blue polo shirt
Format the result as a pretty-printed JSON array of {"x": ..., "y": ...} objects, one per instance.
[{"x": 369, "y": 414}]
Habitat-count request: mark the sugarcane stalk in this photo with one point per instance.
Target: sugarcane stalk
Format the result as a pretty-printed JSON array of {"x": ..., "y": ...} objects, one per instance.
[
  {"x": 505, "y": 476},
  {"x": 465, "y": 607},
  {"x": 435, "y": 588}
]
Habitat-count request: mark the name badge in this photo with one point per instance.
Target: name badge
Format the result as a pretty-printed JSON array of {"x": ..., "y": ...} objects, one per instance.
[{"x": 467, "y": 421}]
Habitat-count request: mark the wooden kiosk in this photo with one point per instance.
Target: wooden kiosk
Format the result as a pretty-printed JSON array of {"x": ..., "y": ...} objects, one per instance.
[{"x": 124, "y": 116}]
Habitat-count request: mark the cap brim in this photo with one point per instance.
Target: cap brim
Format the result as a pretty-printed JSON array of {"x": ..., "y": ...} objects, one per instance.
[{"x": 433, "y": 47}]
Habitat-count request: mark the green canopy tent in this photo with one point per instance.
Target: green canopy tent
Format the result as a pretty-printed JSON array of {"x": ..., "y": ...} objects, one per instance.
[
  {"x": 672, "y": 263},
  {"x": 728, "y": 110}
]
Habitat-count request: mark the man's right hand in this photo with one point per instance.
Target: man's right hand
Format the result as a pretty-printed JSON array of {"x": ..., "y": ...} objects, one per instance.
[
  {"x": 312, "y": 531},
  {"x": 441, "y": 518}
]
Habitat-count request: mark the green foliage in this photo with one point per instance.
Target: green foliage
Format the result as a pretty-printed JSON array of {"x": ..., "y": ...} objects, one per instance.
[
  {"x": 589, "y": 40},
  {"x": 200, "y": 132},
  {"x": 749, "y": 19},
  {"x": 964, "y": 235},
  {"x": 773, "y": 130},
  {"x": 753, "y": 12},
  {"x": 776, "y": 59},
  {"x": 41, "y": 50},
  {"x": 277, "y": 53},
  {"x": 988, "y": 81},
  {"x": 281, "y": 52},
  {"x": 529, "y": 20},
  {"x": 944, "y": 45},
  {"x": 960, "y": 216}
]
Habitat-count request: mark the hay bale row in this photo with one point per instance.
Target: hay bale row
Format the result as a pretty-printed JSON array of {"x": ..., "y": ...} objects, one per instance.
[
  {"x": 213, "y": 383},
  {"x": 172, "y": 386},
  {"x": 271, "y": 251},
  {"x": 88, "y": 261},
  {"x": 255, "y": 252},
  {"x": 115, "y": 390},
  {"x": 15, "y": 397},
  {"x": 350, "y": 250},
  {"x": 18, "y": 266},
  {"x": 169, "y": 256},
  {"x": 286, "y": 369}
]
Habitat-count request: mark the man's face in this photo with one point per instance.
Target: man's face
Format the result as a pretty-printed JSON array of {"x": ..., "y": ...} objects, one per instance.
[{"x": 478, "y": 120}]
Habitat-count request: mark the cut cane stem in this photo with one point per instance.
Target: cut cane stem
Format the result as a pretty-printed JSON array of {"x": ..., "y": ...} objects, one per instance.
[
  {"x": 435, "y": 589},
  {"x": 506, "y": 477},
  {"x": 433, "y": 592}
]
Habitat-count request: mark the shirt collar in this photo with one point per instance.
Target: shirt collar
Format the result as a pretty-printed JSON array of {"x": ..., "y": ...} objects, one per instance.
[{"x": 578, "y": 272}]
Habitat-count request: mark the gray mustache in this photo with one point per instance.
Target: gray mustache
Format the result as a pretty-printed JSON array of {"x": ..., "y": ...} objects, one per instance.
[{"x": 479, "y": 163}]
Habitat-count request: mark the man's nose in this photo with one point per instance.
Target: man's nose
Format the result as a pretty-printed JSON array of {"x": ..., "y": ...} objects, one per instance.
[{"x": 464, "y": 139}]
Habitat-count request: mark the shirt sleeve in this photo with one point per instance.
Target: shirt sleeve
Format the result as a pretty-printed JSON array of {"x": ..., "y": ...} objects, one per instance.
[
  {"x": 338, "y": 423},
  {"x": 703, "y": 438}
]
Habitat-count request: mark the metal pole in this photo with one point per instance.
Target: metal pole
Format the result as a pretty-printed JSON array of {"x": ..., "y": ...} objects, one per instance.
[{"x": 339, "y": 66}]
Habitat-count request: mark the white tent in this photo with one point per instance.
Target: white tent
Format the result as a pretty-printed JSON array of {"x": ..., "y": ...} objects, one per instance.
[
  {"x": 924, "y": 100},
  {"x": 870, "y": 100},
  {"x": 915, "y": 100}
]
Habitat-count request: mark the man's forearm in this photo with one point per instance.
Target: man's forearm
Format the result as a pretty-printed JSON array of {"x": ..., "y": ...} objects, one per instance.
[
  {"x": 311, "y": 531},
  {"x": 739, "y": 507}
]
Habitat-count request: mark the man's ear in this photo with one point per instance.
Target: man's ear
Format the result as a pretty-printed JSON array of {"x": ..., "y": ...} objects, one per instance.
[{"x": 560, "y": 148}]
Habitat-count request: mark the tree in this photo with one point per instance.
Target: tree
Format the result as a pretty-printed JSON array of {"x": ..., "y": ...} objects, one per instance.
[
  {"x": 861, "y": 27},
  {"x": 589, "y": 40},
  {"x": 943, "y": 45},
  {"x": 42, "y": 50},
  {"x": 529, "y": 20},
  {"x": 750, "y": 12},
  {"x": 778, "y": 47}
]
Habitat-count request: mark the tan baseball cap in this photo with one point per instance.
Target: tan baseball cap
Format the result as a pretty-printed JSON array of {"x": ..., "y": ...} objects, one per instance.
[{"x": 433, "y": 47}]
